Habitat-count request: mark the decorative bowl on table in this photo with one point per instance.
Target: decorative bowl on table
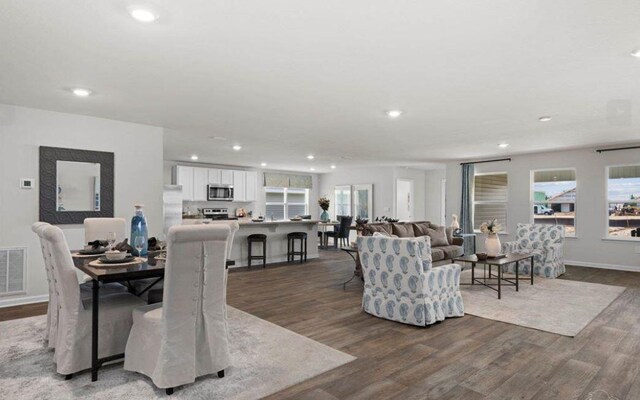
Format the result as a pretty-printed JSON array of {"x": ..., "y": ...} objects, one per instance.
[
  {"x": 115, "y": 255},
  {"x": 257, "y": 220},
  {"x": 296, "y": 218},
  {"x": 481, "y": 256}
]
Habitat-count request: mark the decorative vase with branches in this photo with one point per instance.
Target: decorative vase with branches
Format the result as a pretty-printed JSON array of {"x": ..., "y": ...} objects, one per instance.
[{"x": 324, "y": 203}]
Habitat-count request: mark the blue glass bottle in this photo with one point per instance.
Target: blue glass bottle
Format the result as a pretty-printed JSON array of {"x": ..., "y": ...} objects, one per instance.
[{"x": 139, "y": 228}]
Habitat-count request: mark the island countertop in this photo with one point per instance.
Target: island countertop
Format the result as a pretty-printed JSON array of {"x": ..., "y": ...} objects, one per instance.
[{"x": 248, "y": 222}]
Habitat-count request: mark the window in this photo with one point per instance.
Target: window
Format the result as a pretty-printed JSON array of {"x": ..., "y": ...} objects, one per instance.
[
  {"x": 285, "y": 203},
  {"x": 342, "y": 202},
  {"x": 623, "y": 194},
  {"x": 490, "y": 199},
  {"x": 554, "y": 198}
]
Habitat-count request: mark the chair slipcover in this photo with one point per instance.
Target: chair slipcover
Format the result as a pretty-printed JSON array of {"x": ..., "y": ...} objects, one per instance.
[
  {"x": 99, "y": 228},
  {"x": 401, "y": 284},
  {"x": 73, "y": 337},
  {"x": 52, "y": 305},
  {"x": 186, "y": 336},
  {"x": 545, "y": 242}
]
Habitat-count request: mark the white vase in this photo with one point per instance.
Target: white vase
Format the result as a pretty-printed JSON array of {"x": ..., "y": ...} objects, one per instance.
[{"x": 492, "y": 245}]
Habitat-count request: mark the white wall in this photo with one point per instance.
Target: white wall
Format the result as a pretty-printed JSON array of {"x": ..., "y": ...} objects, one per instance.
[
  {"x": 589, "y": 248},
  {"x": 138, "y": 176},
  {"x": 384, "y": 181},
  {"x": 258, "y": 207},
  {"x": 433, "y": 195}
]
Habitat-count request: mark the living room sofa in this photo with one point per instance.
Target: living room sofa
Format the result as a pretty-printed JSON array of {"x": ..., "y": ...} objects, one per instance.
[{"x": 444, "y": 246}]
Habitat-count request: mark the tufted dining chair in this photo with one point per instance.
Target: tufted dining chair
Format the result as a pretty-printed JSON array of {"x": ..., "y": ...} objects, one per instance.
[
  {"x": 186, "y": 335},
  {"x": 52, "y": 305},
  {"x": 73, "y": 336},
  {"x": 401, "y": 284},
  {"x": 99, "y": 228}
]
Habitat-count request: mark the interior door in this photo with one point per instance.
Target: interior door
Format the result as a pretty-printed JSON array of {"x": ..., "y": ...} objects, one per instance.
[{"x": 404, "y": 199}]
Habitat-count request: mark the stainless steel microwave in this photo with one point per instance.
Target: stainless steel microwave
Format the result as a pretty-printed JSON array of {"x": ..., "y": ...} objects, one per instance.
[{"x": 220, "y": 192}]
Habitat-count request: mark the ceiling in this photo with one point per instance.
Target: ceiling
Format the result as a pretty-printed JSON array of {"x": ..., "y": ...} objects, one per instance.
[{"x": 289, "y": 78}]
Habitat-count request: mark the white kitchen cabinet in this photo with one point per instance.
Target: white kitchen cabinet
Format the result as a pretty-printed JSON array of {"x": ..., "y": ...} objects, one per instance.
[
  {"x": 251, "y": 186},
  {"x": 184, "y": 177},
  {"x": 200, "y": 180},
  {"x": 214, "y": 176},
  {"x": 239, "y": 189},
  {"x": 226, "y": 177}
]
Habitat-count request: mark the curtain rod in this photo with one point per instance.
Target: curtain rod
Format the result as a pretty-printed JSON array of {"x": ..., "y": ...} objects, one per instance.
[
  {"x": 486, "y": 161},
  {"x": 617, "y": 149}
]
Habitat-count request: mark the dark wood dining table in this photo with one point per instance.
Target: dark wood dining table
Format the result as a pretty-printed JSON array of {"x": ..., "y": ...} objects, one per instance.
[{"x": 151, "y": 269}]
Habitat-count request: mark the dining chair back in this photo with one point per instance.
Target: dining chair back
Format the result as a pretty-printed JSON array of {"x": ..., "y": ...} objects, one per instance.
[
  {"x": 186, "y": 336},
  {"x": 99, "y": 228},
  {"x": 52, "y": 305}
]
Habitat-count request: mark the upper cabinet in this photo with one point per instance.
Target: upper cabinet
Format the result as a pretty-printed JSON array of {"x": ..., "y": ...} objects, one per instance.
[{"x": 194, "y": 181}]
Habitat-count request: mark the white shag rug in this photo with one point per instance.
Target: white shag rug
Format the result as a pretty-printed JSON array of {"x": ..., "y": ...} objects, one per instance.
[
  {"x": 266, "y": 359},
  {"x": 553, "y": 305}
]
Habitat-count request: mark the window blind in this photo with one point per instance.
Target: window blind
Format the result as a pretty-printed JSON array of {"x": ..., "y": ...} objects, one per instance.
[{"x": 490, "y": 199}]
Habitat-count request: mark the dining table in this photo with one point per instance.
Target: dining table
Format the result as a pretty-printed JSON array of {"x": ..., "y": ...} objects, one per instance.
[
  {"x": 150, "y": 268},
  {"x": 322, "y": 229}
]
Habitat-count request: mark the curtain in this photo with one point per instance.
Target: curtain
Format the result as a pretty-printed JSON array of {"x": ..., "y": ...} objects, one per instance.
[
  {"x": 286, "y": 181},
  {"x": 466, "y": 208},
  {"x": 300, "y": 181}
]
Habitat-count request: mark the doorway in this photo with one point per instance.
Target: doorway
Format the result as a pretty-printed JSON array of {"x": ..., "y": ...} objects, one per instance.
[{"x": 404, "y": 199}]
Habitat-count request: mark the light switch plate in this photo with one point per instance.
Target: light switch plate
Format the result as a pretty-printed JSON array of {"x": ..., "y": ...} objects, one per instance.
[{"x": 26, "y": 183}]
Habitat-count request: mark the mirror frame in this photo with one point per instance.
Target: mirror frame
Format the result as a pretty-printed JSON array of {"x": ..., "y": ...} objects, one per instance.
[{"x": 49, "y": 157}]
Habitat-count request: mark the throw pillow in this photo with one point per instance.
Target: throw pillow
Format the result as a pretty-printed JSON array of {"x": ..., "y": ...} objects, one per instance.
[
  {"x": 420, "y": 228},
  {"x": 403, "y": 230},
  {"x": 369, "y": 230},
  {"x": 438, "y": 236}
]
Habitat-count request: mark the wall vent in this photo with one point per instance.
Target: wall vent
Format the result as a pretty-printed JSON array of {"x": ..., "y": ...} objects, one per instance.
[{"x": 13, "y": 263}]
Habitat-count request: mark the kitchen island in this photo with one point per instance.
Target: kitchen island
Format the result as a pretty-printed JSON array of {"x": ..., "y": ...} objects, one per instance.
[{"x": 276, "y": 232}]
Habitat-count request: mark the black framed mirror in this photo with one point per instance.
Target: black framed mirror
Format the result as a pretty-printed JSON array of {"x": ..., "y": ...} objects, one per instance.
[{"x": 75, "y": 184}]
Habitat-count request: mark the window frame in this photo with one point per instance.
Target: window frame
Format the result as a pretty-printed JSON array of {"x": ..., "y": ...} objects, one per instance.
[
  {"x": 285, "y": 203},
  {"x": 575, "y": 204},
  {"x": 607, "y": 236},
  {"x": 506, "y": 201}
]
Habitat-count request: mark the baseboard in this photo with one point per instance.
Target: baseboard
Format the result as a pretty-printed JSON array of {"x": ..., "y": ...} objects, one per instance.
[
  {"x": 18, "y": 301},
  {"x": 632, "y": 268}
]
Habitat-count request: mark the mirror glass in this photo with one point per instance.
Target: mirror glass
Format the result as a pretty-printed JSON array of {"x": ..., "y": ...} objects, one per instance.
[
  {"x": 78, "y": 185},
  {"x": 363, "y": 201}
]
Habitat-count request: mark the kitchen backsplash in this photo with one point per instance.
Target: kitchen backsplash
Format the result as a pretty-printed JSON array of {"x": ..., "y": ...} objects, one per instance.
[{"x": 193, "y": 206}]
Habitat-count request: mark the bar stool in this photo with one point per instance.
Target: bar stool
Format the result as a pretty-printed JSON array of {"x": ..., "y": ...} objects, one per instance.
[
  {"x": 291, "y": 246},
  {"x": 258, "y": 238}
]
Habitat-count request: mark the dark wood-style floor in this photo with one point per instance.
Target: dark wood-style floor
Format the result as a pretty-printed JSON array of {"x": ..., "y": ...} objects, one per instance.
[{"x": 462, "y": 358}]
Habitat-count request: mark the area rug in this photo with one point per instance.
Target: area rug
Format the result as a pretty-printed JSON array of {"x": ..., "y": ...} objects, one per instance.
[
  {"x": 552, "y": 305},
  {"x": 266, "y": 359}
]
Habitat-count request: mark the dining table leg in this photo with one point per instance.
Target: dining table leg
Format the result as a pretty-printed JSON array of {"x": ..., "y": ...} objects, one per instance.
[{"x": 94, "y": 330}]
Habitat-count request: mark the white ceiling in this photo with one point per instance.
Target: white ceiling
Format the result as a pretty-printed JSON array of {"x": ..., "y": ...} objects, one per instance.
[{"x": 287, "y": 78}]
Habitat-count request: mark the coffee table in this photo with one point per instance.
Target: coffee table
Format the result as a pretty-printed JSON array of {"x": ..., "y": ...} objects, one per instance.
[{"x": 498, "y": 262}]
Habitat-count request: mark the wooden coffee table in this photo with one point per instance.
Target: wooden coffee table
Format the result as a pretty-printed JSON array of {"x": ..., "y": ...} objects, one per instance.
[{"x": 498, "y": 262}]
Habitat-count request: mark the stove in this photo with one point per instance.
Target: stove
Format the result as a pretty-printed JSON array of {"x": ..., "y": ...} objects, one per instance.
[{"x": 216, "y": 213}]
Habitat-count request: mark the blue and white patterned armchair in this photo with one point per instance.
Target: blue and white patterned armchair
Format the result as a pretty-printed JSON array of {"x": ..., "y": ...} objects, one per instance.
[
  {"x": 400, "y": 283},
  {"x": 546, "y": 242}
]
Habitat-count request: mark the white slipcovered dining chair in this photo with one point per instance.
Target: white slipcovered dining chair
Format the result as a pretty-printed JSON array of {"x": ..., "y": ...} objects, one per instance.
[
  {"x": 99, "y": 228},
  {"x": 52, "y": 305},
  {"x": 73, "y": 337},
  {"x": 186, "y": 336}
]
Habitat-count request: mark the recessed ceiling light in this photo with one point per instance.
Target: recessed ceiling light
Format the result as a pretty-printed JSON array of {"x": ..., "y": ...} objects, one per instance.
[
  {"x": 264, "y": 164},
  {"x": 312, "y": 169},
  {"x": 80, "y": 92},
  {"x": 636, "y": 53},
  {"x": 143, "y": 15},
  {"x": 503, "y": 145},
  {"x": 310, "y": 157},
  {"x": 194, "y": 157},
  {"x": 394, "y": 113},
  {"x": 545, "y": 118},
  {"x": 333, "y": 167},
  {"x": 237, "y": 147}
]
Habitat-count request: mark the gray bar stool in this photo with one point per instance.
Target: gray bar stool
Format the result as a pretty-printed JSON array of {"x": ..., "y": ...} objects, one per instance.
[
  {"x": 258, "y": 238},
  {"x": 291, "y": 246}
]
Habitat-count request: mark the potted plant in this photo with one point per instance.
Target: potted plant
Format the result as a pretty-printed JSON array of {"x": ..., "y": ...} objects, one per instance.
[
  {"x": 324, "y": 202},
  {"x": 492, "y": 242}
]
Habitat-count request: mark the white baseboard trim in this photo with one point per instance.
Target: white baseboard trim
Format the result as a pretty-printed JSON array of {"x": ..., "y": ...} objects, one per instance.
[
  {"x": 632, "y": 268},
  {"x": 17, "y": 301}
]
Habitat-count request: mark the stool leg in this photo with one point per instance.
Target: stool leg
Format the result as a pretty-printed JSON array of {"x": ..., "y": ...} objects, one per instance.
[
  {"x": 264, "y": 254},
  {"x": 249, "y": 255},
  {"x": 305, "y": 249}
]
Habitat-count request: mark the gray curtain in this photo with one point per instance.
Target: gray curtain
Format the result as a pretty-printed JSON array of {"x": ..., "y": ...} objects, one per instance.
[{"x": 466, "y": 208}]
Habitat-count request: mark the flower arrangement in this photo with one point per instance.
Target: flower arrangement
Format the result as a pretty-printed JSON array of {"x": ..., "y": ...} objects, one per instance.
[
  {"x": 324, "y": 202},
  {"x": 492, "y": 227}
]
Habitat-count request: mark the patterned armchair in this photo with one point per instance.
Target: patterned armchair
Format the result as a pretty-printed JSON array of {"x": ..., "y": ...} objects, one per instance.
[
  {"x": 400, "y": 283},
  {"x": 545, "y": 242}
]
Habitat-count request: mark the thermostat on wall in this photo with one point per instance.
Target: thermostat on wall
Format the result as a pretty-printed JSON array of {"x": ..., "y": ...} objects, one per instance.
[{"x": 26, "y": 183}]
